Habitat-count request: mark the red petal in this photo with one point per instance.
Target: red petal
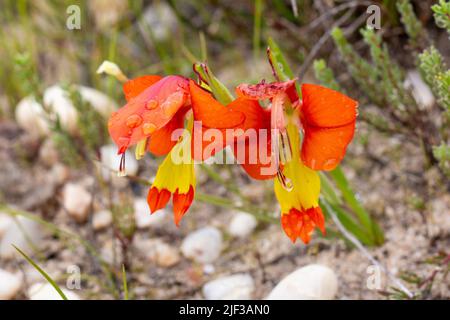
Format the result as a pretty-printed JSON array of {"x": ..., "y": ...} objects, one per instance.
[
  {"x": 212, "y": 113},
  {"x": 301, "y": 224},
  {"x": 161, "y": 142},
  {"x": 157, "y": 199},
  {"x": 149, "y": 111},
  {"x": 135, "y": 86},
  {"x": 324, "y": 148},
  {"x": 257, "y": 162},
  {"x": 323, "y": 107},
  {"x": 181, "y": 204}
]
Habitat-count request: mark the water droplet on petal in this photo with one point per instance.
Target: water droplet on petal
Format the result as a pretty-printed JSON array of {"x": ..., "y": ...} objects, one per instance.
[
  {"x": 151, "y": 104},
  {"x": 133, "y": 121},
  {"x": 148, "y": 128},
  {"x": 286, "y": 183}
]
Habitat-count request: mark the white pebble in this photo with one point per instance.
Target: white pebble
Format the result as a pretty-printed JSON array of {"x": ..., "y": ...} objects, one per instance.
[
  {"x": 5, "y": 222},
  {"x": 25, "y": 234},
  {"x": 76, "y": 200},
  {"x": 143, "y": 217},
  {"x": 313, "y": 282},
  {"x": 203, "y": 245},
  {"x": 235, "y": 287},
  {"x": 45, "y": 291},
  {"x": 242, "y": 225},
  {"x": 156, "y": 250},
  {"x": 110, "y": 161},
  {"x": 10, "y": 285},
  {"x": 102, "y": 219},
  {"x": 420, "y": 90}
]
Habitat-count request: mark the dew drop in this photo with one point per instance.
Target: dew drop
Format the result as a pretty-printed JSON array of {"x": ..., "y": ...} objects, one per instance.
[
  {"x": 148, "y": 128},
  {"x": 151, "y": 104},
  {"x": 133, "y": 121}
]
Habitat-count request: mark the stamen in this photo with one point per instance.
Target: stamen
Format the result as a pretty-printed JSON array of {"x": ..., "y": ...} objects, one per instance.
[
  {"x": 122, "y": 172},
  {"x": 286, "y": 148},
  {"x": 140, "y": 149},
  {"x": 286, "y": 183}
]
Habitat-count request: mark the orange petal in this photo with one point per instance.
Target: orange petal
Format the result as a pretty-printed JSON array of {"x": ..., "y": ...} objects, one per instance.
[
  {"x": 149, "y": 111},
  {"x": 301, "y": 224},
  {"x": 161, "y": 142},
  {"x": 181, "y": 204},
  {"x": 135, "y": 86},
  {"x": 324, "y": 148},
  {"x": 210, "y": 112},
  {"x": 157, "y": 199},
  {"x": 254, "y": 161},
  {"x": 323, "y": 107}
]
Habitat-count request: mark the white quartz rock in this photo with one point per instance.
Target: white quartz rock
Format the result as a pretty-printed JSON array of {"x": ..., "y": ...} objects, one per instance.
[
  {"x": 10, "y": 285},
  {"x": 235, "y": 287},
  {"x": 24, "y": 234},
  {"x": 203, "y": 245},
  {"x": 30, "y": 115},
  {"x": 5, "y": 222},
  {"x": 76, "y": 200},
  {"x": 110, "y": 165},
  {"x": 45, "y": 291},
  {"x": 420, "y": 90},
  {"x": 312, "y": 282},
  {"x": 242, "y": 225},
  {"x": 102, "y": 219},
  {"x": 143, "y": 217}
]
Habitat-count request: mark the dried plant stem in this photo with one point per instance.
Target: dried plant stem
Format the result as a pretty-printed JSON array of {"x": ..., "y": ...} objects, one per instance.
[{"x": 365, "y": 252}]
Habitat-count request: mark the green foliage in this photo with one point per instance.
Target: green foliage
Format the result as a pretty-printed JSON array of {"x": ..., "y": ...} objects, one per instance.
[
  {"x": 91, "y": 124},
  {"x": 124, "y": 222},
  {"x": 442, "y": 14},
  {"x": 442, "y": 154},
  {"x": 365, "y": 74},
  {"x": 392, "y": 77},
  {"x": 325, "y": 75},
  {"x": 412, "y": 25},
  {"x": 437, "y": 76}
]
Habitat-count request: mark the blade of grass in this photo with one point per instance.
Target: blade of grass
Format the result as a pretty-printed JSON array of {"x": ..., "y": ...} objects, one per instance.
[
  {"x": 43, "y": 273},
  {"x": 257, "y": 28},
  {"x": 125, "y": 284}
]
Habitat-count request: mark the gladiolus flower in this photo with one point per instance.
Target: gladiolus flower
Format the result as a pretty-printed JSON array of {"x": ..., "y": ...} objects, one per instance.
[
  {"x": 156, "y": 108},
  {"x": 327, "y": 120}
]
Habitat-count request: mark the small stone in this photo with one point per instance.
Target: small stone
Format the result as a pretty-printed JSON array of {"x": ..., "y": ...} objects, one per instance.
[
  {"x": 110, "y": 161},
  {"x": 76, "y": 200},
  {"x": 45, "y": 291},
  {"x": 22, "y": 232},
  {"x": 5, "y": 222},
  {"x": 143, "y": 217},
  {"x": 10, "y": 285},
  {"x": 59, "y": 173},
  {"x": 102, "y": 219},
  {"x": 242, "y": 225},
  {"x": 312, "y": 282},
  {"x": 420, "y": 90},
  {"x": 203, "y": 245},
  {"x": 48, "y": 153},
  {"x": 156, "y": 250},
  {"x": 235, "y": 287}
]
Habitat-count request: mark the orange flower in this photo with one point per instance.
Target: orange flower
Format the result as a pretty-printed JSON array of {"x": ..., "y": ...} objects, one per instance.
[
  {"x": 326, "y": 119},
  {"x": 156, "y": 107}
]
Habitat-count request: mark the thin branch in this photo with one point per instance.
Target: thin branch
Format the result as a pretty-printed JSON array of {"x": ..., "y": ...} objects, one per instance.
[{"x": 365, "y": 252}]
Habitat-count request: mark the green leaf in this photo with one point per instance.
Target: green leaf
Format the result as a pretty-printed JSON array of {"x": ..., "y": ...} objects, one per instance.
[
  {"x": 43, "y": 273},
  {"x": 219, "y": 90}
]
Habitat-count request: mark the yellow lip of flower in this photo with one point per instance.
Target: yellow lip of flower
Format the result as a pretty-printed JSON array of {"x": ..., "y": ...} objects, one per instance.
[
  {"x": 175, "y": 176},
  {"x": 299, "y": 206}
]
